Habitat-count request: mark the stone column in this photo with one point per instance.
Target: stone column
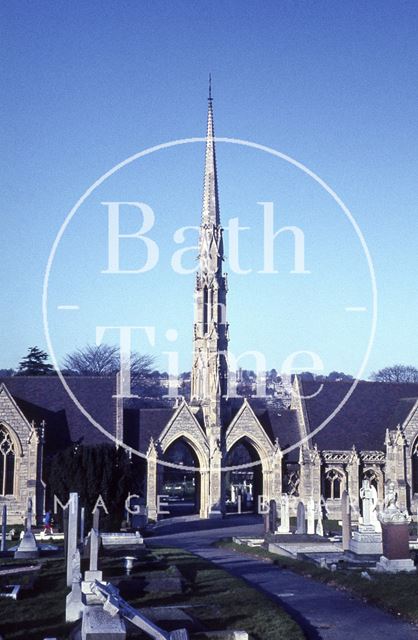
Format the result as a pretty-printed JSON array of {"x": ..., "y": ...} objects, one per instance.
[
  {"x": 346, "y": 520},
  {"x": 353, "y": 484},
  {"x": 152, "y": 481},
  {"x": 277, "y": 481},
  {"x": 215, "y": 483}
]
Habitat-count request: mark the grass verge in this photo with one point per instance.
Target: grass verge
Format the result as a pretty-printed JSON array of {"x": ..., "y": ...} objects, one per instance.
[
  {"x": 396, "y": 593},
  {"x": 216, "y": 599}
]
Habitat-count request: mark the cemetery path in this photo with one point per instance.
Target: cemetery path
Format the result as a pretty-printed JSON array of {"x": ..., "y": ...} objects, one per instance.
[{"x": 322, "y": 612}]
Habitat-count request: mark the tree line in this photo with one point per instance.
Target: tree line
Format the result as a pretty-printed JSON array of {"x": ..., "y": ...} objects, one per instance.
[{"x": 104, "y": 360}]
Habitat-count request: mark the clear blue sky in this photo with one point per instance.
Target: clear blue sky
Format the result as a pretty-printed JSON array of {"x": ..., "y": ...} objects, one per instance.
[{"x": 334, "y": 85}]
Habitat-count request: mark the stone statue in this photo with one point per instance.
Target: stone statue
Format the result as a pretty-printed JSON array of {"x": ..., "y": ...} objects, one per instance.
[
  {"x": 391, "y": 512},
  {"x": 368, "y": 496}
]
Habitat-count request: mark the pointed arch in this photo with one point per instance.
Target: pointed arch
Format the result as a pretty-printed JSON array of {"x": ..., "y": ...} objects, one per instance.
[
  {"x": 183, "y": 425},
  {"x": 246, "y": 424},
  {"x": 9, "y": 443}
]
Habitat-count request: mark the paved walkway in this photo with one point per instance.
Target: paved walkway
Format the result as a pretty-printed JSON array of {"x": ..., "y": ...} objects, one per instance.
[{"x": 323, "y": 612}]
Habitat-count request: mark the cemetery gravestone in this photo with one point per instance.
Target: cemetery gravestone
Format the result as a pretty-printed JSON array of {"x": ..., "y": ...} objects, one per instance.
[
  {"x": 28, "y": 547},
  {"x": 319, "y": 525},
  {"x": 346, "y": 520},
  {"x": 310, "y": 509},
  {"x": 301, "y": 520},
  {"x": 3, "y": 528},
  {"x": 272, "y": 516},
  {"x": 72, "y": 534}
]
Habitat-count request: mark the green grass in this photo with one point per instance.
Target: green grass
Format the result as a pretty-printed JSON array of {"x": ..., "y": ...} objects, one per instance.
[
  {"x": 219, "y": 601},
  {"x": 396, "y": 593}
]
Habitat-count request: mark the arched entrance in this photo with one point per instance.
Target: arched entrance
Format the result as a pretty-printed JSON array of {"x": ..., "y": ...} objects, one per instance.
[
  {"x": 244, "y": 485},
  {"x": 181, "y": 486}
]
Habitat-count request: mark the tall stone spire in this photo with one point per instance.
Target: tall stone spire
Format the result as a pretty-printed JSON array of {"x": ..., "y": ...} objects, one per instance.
[
  {"x": 210, "y": 340},
  {"x": 210, "y": 209}
]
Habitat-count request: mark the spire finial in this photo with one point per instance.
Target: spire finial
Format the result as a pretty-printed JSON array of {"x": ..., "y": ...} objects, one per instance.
[{"x": 210, "y": 87}]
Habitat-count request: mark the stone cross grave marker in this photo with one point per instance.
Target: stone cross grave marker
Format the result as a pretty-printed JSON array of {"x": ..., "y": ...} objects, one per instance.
[
  {"x": 28, "y": 547},
  {"x": 114, "y": 604}
]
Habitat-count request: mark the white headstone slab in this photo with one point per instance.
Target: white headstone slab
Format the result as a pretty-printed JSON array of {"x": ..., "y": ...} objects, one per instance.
[
  {"x": 284, "y": 514},
  {"x": 3, "y": 528},
  {"x": 310, "y": 511},
  {"x": 346, "y": 520},
  {"x": 301, "y": 521},
  {"x": 72, "y": 535},
  {"x": 319, "y": 523},
  {"x": 94, "y": 549}
]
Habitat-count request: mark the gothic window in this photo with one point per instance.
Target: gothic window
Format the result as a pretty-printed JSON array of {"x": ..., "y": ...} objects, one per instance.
[
  {"x": 334, "y": 484},
  {"x": 415, "y": 467},
  {"x": 7, "y": 463}
]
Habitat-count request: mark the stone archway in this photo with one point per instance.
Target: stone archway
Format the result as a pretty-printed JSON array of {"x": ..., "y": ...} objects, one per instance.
[
  {"x": 182, "y": 486},
  {"x": 182, "y": 428},
  {"x": 245, "y": 485},
  {"x": 246, "y": 430}
]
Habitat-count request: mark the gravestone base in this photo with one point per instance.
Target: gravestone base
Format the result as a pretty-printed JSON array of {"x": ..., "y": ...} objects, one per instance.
[
  {"x": 395, "y": 566},
  {"x": 366, "y": 542},
  {"x": 99, "y": 625},
  {"x": 215, "y": 513},
  {"x": 73, "y": 604},
  {"x": 27, "y": 547},
  {"x": 91, "y": 576}
]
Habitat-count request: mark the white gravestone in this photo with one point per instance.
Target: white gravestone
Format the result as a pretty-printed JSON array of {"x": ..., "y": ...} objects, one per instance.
[
  {"x": 72, "y": 535},
  {"x": 73, "y": 604},
  {"x": 93, "y": 573},
  {"x": 346, "y": 520},
  {"x": 310, "y": 512},
  {"x": 301, "y": 520},
  {"x": 319, "y": 524},
  {"x": 284, "y": 514},
  {"x": 28, "y": 547},
  {"x": 3, "y": 528}
]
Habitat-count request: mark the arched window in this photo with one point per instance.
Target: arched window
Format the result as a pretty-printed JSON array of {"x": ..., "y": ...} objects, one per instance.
[
  {"x": 7, "y": 463},
  {"x": 334, "y": 484},
  {"x": 415, "y": 467}
]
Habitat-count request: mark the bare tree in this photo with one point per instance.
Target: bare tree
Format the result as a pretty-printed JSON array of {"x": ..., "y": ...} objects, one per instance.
[
  {"x": 104, "y": 360},
  {"x": 396, "y": 373}
]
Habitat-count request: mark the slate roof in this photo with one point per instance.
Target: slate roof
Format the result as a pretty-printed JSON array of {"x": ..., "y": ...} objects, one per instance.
[
  {"x": 44, "y": 398},
  {"x": 363, "y": 420},
  {"x": 280, "y": 424}
]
